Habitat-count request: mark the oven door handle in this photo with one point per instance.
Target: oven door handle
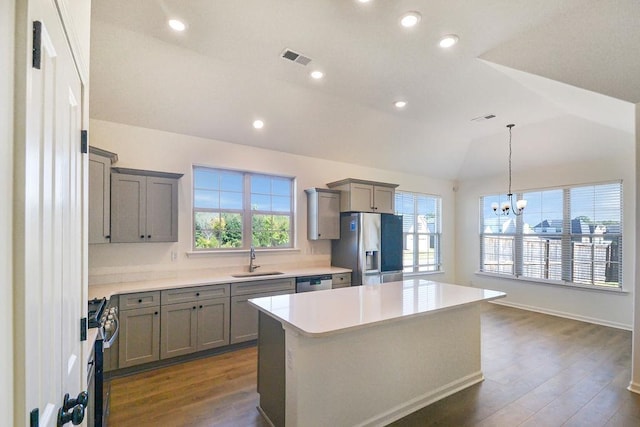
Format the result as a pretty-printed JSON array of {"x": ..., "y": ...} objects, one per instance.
[{"x": 108, "y": 343}]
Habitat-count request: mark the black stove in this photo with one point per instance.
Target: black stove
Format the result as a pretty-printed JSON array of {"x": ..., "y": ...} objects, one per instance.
[{"x": 94, "y": 314}]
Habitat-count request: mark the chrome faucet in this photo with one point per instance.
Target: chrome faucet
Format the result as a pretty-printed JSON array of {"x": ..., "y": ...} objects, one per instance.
[{"x": 252, "y": 257}]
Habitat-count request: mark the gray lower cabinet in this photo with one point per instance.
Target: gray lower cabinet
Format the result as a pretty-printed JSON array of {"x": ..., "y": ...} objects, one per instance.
[
  {"x": 244, "y": 317},
  {"x": 194, "y": 326},
  {"x": 139, "y": 337},
  {"x": 213, "y": 323},
  {"x": 193, "y": 321},
  {"x": 340, "y": 280},
  {"x": 179, "y": 329}
]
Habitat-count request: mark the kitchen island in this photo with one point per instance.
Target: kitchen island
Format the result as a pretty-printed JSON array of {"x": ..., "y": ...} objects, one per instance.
[{"x": 366, "y": 355}]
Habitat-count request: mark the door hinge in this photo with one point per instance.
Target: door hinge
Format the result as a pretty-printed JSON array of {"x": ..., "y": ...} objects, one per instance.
[
  {"x": 84, "y": 141},
  {"x": 34, "y": 418},
  {"x": 83, "y": 329},
  {"x": 37, "y": 44}
]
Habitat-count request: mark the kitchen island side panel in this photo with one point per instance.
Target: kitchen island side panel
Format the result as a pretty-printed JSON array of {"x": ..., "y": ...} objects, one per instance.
[
  {"x": 373, "y": 376},
  {"x": 271, "y": 369}
]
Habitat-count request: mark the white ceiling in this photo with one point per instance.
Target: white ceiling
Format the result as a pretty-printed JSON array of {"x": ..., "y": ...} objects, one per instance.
[{"x": 566, "y": 72}]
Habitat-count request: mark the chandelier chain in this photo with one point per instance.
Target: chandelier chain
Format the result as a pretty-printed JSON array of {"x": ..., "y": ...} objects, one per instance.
[
  {"x": 509, "y": 206},
  {"x": 510, "y": 151}
]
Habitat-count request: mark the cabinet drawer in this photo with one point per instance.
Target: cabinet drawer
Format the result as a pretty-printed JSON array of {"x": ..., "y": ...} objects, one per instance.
[
  {"x": 259, "y": 286},
  {"x": 340, "y": 280},
  {"x": 139, "y": 300},
  {"x": 174, "y": 296}
]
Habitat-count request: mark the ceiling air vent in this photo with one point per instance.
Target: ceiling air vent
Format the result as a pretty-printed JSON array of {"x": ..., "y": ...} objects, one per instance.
[
  {"x": 295, "y": 57},
  {"x": 483, "y": 118}
]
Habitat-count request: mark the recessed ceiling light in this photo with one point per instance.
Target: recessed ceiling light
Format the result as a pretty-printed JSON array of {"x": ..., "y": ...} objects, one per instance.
[
  {"x": 258, "y": 124},
  {"x": 364, "y": 1},
  {"x": 177, "y": 25},
  {"x": 448, "y": 40},
  {"x": 410, "y": 19},
  {"x": 400, "y": 104},
  {"x": 317, "y": 74}
]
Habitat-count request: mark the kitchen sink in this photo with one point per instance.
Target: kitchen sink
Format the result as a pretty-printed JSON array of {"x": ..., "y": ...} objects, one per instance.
[{"x": 258, "y": 274}]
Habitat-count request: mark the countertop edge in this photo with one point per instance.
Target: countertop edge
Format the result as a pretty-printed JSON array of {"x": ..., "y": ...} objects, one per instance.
[
  {"x": 109, "y": 289},
  {"x": 321, "y": 334}
]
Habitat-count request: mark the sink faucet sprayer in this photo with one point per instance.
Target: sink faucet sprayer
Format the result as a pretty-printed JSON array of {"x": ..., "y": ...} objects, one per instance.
[{"x": 252, "y": 257}]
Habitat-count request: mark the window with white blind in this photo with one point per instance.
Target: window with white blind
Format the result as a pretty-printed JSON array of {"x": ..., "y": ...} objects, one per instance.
[
  {"x": 568, "y": 234},
  {"x": 421, "y": 227},
  {"x": 236, "y": 209}
]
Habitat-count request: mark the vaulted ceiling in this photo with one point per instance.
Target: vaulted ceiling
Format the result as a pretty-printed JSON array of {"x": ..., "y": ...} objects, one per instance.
[{"x": 566, "y": 72}]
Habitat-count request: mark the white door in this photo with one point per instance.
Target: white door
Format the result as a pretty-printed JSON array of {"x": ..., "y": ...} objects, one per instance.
[{"x": 48, "y": 225}]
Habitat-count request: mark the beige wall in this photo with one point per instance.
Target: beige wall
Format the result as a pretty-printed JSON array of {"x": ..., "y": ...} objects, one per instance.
[
  {"x": 142, "y": 148},
  {"x": 607, "y": 308}
]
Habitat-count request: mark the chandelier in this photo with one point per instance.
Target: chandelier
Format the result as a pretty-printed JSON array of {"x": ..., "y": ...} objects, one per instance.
[{"x": 508, "y": 205}]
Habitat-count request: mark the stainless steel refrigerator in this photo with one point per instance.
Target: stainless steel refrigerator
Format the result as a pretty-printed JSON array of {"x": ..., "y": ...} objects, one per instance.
[{"x": 370, "y": 245}]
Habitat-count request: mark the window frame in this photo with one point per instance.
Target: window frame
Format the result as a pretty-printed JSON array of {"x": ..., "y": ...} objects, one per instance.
[
  {"x": 246, "y": 212},
  {"x": 566, "y": 238},
  {"x": 436, "y": 266}
]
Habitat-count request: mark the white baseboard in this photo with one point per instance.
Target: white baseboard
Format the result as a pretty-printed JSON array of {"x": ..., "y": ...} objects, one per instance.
[
  {"x": 565, "y": 315},
  {"x": 634, "y": 387},
  {"x": 420, "y": 402}
]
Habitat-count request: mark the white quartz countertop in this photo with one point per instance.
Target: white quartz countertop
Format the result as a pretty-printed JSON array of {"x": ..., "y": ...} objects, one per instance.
[
  {"x": 203, "y": 277},
  {"x": 322, "y": 313}
]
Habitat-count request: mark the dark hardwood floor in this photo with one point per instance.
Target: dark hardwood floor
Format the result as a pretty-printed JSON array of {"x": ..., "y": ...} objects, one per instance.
[{"x": 539, "y": 371}]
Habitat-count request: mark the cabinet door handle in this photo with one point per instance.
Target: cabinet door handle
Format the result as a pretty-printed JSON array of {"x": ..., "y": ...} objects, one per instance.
[
  {"x": 142, "y": 236},
  {"x": 156, "y": 313},
  {"x": 200, "y": 306},
  {"x": 107, "y": 237},
  {"x": 194, "y": 307},
  {"x": 149, "y": 236},
  {"x": 139, "y": 301},
  {"x": 197, "y": 294}
]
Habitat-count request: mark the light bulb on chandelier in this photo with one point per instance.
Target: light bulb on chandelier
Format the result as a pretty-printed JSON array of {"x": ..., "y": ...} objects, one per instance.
[{"x": 508, "y": 206}]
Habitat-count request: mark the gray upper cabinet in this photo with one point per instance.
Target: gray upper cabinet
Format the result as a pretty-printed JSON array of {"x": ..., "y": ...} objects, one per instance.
[
  {"x": 144, "y": 206},
  {"x": 323, "y": 214},
  {"x": 357, "y": 195},
  {"x": 100, "y": 162}
]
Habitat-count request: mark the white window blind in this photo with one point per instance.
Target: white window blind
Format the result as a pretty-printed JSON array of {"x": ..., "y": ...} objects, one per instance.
[
  {"x": 596, "y": 234},
  {"x": 422, "y": 229},
  {"x": 569, "y": 234}
]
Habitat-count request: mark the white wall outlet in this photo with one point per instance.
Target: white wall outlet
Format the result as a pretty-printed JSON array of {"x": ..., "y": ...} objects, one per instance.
[{"x": 174, "y": 256}]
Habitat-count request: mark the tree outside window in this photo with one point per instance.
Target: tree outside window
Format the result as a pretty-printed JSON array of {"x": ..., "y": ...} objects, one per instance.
[{"x": 235, "y": 210}]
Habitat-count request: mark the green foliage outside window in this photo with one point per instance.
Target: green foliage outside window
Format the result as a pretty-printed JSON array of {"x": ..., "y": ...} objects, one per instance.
[
  {"x": 270, "y": 231},
  {"x": 224, "y": 230},
  {"x": 218, "y": 230},
  {"x": 236, "y": 210}
]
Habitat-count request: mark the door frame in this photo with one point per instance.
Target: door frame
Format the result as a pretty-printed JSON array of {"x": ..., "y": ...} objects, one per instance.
[{"x": 7, "y": 42}]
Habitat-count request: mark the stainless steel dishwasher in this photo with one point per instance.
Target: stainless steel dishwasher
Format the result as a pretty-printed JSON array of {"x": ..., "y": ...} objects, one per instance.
[{"x": 313, "y": 283}]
